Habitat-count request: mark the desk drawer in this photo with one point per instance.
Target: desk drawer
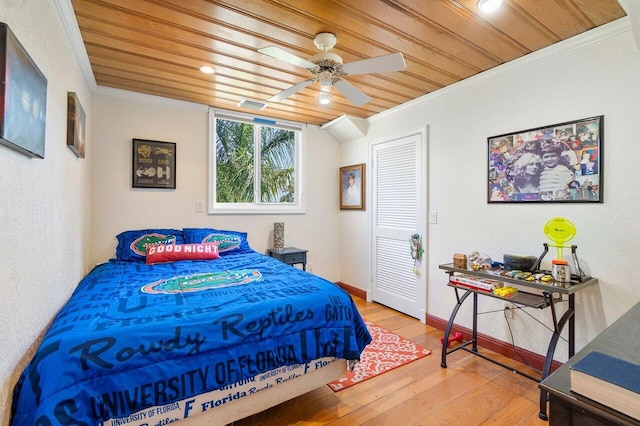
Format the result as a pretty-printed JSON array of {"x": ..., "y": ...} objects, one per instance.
[{"x": 295, "y": 258}]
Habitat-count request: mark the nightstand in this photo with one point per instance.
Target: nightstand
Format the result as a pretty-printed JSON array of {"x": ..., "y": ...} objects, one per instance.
[{"x": 290, "y": 256}]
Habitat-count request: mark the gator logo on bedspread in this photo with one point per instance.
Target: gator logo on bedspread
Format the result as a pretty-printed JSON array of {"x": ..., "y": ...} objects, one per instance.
[
  {"x": 139, "y": 246},
  {"x": 225, "y": 242},
  {"x": 201, "y": 282}
]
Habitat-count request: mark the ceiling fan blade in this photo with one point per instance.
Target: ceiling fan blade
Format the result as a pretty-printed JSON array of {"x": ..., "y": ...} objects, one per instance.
[
  {"x": 283, "y": 55},
  {"x": 379, "y": 64},
  {"x": 291, "y": 90},
  {"x": 351, "y": 92}
]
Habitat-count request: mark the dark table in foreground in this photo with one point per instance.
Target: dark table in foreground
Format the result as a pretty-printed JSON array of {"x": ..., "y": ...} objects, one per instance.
[{"x": 622, "y": 340}]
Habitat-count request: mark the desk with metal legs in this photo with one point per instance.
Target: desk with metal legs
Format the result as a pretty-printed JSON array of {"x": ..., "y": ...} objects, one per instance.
[{"x": 547, "y": 295}]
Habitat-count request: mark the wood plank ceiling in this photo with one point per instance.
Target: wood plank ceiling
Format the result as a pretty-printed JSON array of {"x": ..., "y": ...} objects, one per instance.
[{"x": 157, "y": 46}]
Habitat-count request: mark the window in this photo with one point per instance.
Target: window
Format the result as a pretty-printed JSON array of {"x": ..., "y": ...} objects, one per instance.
[{"x": 255, "y": 165}]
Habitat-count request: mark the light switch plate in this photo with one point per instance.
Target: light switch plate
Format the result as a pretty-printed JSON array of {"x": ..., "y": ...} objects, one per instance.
[{"x": 433, "y": 216}]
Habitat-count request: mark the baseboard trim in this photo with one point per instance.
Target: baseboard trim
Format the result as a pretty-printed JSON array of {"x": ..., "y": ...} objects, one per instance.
[
  {"x": 487, "y": 342},
  {"x": 354, "y": 291},
  {"x": 503, "y": 348}
]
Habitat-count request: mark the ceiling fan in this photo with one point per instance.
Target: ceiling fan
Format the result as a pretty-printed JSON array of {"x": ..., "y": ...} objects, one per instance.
[{"x": 327, "y": 69}]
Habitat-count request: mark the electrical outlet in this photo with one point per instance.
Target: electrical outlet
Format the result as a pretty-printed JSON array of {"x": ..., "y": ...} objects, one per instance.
[{"x": 512, "y": 311}]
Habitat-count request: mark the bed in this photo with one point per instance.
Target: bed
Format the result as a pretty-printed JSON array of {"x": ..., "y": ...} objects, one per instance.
[{"x": 187, "y": 325}]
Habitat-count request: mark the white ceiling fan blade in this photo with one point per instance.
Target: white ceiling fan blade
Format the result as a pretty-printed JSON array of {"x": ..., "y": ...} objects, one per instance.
[
  {"x": 283, "y": 55},
  {"x": 379, "y": 64},
  {"x": 352, "y": 93},
  {"x": 290, "y": 91}
]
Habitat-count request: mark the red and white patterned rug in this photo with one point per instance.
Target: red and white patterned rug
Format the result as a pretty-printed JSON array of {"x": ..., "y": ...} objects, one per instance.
[{"x": 386, "y": 351}]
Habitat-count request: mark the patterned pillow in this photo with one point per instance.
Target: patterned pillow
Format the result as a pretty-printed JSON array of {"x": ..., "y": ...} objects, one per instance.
[
  {"x": 132, "y": 245},
  {"x": 229, "y": 242},
  {"x": 159, "y": 253}
]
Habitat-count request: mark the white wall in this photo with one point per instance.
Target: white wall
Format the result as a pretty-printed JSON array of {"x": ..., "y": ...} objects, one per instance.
[
  {"x": 355, "y": 225},
  {"x": 120, "y": 116},
  {"x": 593, "y": 74},
  {"x": 44, "y": 206}
]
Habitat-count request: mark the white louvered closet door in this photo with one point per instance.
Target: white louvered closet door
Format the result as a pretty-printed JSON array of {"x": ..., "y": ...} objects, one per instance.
[{"x": 399, "y": 211}]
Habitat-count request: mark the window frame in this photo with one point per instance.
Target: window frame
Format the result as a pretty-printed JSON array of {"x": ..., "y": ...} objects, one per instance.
[{"x": 257, "y": 207}]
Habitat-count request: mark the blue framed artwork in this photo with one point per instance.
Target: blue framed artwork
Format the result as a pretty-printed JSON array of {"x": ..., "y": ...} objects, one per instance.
[{"x": 23, "y": 98}]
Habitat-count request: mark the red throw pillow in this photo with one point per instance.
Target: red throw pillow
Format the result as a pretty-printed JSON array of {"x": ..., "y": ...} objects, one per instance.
[{"x": 171, "y": 252}]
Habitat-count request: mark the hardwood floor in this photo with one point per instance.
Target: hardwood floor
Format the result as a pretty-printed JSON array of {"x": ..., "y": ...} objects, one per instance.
[{"x": 470, "y": 391}]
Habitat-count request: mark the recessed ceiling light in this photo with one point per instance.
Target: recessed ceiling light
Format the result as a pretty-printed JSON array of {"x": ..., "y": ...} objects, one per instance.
[
  {"x": 489, "y": 5},
  {"x": 207, "y": 69}
]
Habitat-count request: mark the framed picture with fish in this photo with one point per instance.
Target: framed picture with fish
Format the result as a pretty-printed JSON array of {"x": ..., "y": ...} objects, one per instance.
[{"x": 154, "y": 164}]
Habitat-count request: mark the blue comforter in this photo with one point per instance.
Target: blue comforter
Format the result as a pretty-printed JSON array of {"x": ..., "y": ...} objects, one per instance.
[{"x": 134, "y": 336}]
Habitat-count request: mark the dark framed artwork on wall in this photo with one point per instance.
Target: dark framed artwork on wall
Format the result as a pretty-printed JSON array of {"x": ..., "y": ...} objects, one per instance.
[
  {"x": 76, "y": 125},
  {"x": 23, "y": 98},
  {"x": 352, "y": 187},
  {"x": 559, "y": 163},
  {"x": 154, "y": 164}
]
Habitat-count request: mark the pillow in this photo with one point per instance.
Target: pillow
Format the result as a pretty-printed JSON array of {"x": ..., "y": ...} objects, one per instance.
[
  {"x": 159, "y": 253},
  {"x": 229, "y": 242},
  {"x": 132, "y": 245}
]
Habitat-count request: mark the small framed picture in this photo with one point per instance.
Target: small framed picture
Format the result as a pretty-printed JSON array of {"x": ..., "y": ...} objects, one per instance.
[
  {"x": 352, "y": 187},
  {"x": 76, "y": 122},
  {"x": 154, "y": 164}
]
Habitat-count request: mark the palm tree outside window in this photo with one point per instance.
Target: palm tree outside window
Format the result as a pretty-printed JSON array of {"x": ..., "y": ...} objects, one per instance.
[{"x": 257, "y": 166}]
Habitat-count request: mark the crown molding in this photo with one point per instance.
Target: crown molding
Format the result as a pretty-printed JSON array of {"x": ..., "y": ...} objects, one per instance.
[
  {"x": 151, "y": 99},
  {"x": 612, "y": 29},
  {"x": 632, "y": 9},
  {"x": 68, "y": 18}
]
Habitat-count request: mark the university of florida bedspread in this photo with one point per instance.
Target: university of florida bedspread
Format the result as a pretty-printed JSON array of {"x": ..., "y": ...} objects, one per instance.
[{"x": 134, "y": 336}]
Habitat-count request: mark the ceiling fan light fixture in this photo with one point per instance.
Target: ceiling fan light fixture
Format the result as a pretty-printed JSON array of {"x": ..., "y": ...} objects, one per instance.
[
  {"x": 325, "y": 79},
  {"x": 488, "y": 6},
  {"x": 324, "y": 99}
]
